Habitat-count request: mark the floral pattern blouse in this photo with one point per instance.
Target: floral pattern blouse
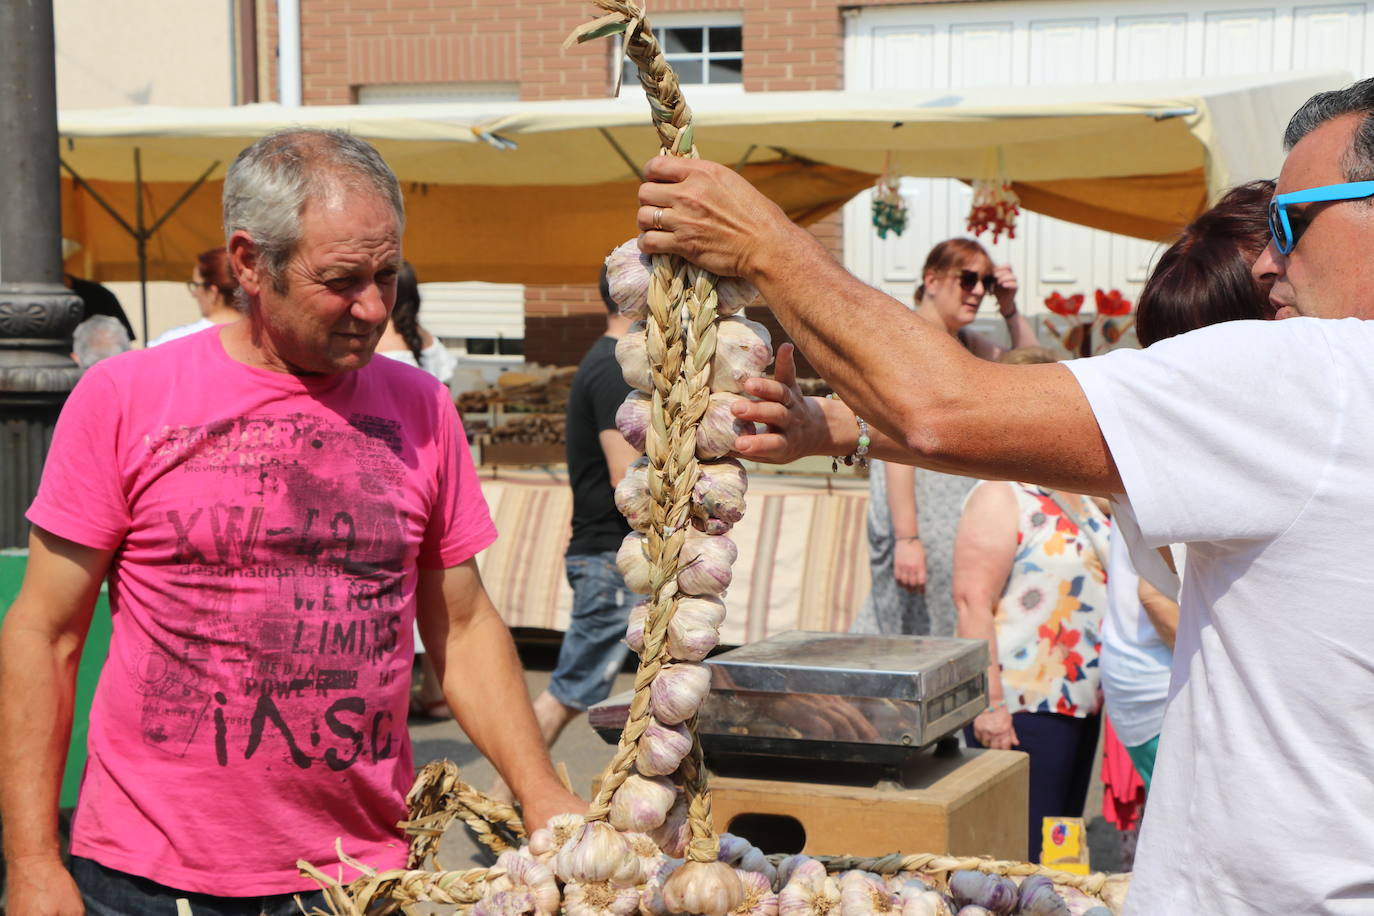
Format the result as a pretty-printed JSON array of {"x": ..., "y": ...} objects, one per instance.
[{"x": 1049, "y": 618}]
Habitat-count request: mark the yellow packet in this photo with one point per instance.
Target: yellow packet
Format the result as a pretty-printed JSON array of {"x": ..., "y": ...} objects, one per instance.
[{"x": 1064, "y": 845}]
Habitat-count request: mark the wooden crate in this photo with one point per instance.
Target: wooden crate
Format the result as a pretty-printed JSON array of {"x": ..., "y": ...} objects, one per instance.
[{"x": 972, "y": 804}]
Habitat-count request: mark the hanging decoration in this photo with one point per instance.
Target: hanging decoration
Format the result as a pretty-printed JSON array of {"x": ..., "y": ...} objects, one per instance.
[
  {"x": 889, "y": 207},
  {"x": 1086, "y": 335},
  {"x": 995, "y": 205}
]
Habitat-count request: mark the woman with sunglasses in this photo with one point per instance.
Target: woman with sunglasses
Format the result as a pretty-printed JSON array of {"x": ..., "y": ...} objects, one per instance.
[
  {"x": 912, "y": 513},
  {"x": 213, "y": 287}
]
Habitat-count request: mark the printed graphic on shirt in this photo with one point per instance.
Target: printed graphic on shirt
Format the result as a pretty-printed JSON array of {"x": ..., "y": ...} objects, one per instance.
[{"x": 284, "y": 639}]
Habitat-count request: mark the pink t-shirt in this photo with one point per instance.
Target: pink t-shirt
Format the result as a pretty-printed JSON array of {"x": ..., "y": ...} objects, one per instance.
[{"x": 267, "y": 532}]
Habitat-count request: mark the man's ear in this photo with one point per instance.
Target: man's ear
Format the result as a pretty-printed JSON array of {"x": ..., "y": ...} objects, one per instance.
[{"x": 243, "y": 256}]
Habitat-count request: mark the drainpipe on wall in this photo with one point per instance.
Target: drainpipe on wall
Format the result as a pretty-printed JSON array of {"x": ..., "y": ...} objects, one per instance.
[{"x": 289, "y": 50}]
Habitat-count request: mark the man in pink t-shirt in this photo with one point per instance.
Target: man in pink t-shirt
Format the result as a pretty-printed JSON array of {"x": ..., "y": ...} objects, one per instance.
[{"x": 272, "y": 510}]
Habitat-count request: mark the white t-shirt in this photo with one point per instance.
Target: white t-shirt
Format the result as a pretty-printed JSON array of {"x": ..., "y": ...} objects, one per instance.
[
  {"x": 1134, "y": 660},
  {"x": 1253, "y": 443}
]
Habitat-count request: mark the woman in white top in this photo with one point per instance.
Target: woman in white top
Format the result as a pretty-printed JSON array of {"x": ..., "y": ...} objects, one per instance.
[
  {"x": 406, "y": 340},
  {"x": 214, "y": 287}
]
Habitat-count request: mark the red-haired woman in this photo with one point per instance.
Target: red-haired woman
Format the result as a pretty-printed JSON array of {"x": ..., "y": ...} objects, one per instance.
[
  {"x": 912, "y": 513},
  {"x": 214, "y": 287}
]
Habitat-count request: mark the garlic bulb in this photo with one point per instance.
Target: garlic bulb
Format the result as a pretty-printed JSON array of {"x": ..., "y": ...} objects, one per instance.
[
  {"x": 717, "y": 496},
  {"x": 803, "y": 896},
  {"x": 716, "y": 433},
  {"x": 647, "y": 853},
  {"x": 524, "y": 873},
  {"x": 675, "y": 833},
  {"x": 632, "y": 495},
  {"x": 904, "y": 879},
  {"x": 759, "y": 899},
  {"x": 677, "y": 692},
  {"x": 694, "y": 629},
  {"x": 632, "y": 419},
  {"x": 633, "y": 562},
  {"x": 627, "y": 278},
  {"x": 634, "y": 629},
  {"x": 599, "y": 898},
  {"x": 662, "y": 747},
  {"x": 506, "y": 903},
  {"x": 1077, "y": 902},
  {"x": 731, "y": 848},
  {"x": 733, "y": 294},
  {"x": 597, "y": 852},
  {"x": 642, "y": 802},
  {"x": 976, "y": 888},
  {"x": 719, "y": 428},
  {"x": 743, "y": 351},
  {"x": 547, "y": 840},
  {"x": 703, "y": 889},
  {"x": 704, "y": 564},
  {"x": 651, "y": 891},
  {"x": 754, "y": 860},
  {"x": 862, "y": 894},
  {"x": 801, "y": 868},
  {"x": 632, "y": 352},
  {"x": 924, "y": 901},
  {"x": 1038, "y": 897}
]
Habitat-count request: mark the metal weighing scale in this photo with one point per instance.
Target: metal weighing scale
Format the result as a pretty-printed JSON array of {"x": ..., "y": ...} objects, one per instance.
[{"x": 832, "y": 708}]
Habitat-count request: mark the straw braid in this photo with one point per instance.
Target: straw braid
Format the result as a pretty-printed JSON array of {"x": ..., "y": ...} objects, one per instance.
[
  {"x": 680, "y": 369},
  {"x": 439, "y": 797},
  {"x": 382, "y": 893}
]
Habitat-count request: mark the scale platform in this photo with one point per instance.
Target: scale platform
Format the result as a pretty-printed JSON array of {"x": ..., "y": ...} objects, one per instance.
[{"x": 831, "y": 697}]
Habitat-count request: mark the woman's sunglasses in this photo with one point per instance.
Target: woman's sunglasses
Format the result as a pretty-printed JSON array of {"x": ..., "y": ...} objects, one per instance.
[
  {"x": 1288, "y": 227},
  {"x": 968, "y": 279}
]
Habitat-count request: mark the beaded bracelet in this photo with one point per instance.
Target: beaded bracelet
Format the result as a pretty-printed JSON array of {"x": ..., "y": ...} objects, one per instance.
[{"x": 860, "y": 455}]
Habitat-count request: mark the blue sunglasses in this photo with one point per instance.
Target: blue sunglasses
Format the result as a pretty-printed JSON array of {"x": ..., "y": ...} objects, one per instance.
[{"x": 1288, "y": 228}]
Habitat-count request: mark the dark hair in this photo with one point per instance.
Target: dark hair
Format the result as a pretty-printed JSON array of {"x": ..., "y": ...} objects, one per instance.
[
  {"x": 1204, "y": 277},
  {"x": 1357, "y": 98},
  {"x": 946, "y": 256},
  {"x": 405, "y": 317},
  {"x": 604, "y": 284},
  {"x": 216, "y": 270}
]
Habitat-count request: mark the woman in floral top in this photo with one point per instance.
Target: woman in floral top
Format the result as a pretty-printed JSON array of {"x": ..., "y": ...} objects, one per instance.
[{"x": 1029, "y": 578}]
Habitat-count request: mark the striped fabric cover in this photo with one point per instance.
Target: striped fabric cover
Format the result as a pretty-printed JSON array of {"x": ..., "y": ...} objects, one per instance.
[{"x": 803, "y": 554}]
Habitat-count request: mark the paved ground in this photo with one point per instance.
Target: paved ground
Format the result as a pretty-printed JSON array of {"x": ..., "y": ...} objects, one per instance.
[{"x": 585, "y": 754}]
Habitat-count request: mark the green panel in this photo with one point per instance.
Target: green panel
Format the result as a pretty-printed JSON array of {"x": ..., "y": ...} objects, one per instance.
[{"x": 92, "y": 660}]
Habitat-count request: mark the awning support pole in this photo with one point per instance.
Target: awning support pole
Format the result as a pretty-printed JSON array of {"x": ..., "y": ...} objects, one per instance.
[
  {"x": 621, "y": 150},
  {"x": 138, "y": 232}
]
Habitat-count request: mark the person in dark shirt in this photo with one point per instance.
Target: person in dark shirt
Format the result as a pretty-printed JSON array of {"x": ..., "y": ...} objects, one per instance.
[
  {"x": 98, "y": 300},
  {"x": 593, "y": 650}
]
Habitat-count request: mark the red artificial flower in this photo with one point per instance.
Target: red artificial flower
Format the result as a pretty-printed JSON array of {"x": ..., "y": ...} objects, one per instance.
[
  {"x": 1064, "y": 305},
  {"x": 1112, "y": 303}
]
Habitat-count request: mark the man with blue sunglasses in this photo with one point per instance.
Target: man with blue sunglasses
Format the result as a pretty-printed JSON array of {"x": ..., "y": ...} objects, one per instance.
[{"x": 1252, "y": 442}]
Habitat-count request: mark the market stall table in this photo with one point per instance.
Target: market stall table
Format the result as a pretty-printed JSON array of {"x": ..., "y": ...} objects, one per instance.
[{"x": 803, "y": 553}]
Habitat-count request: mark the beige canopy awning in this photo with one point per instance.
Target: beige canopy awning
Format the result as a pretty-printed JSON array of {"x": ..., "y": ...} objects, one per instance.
[{"x": 537, "y": 192}]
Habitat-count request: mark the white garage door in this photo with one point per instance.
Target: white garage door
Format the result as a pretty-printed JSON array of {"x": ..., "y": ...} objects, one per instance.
[{"x": 956, "y": 45}]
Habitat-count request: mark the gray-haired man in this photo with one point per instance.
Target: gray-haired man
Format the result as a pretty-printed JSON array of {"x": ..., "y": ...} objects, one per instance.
[
  {"x": 272, "y": 507},
  {"x": 98, "y": 337}
]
